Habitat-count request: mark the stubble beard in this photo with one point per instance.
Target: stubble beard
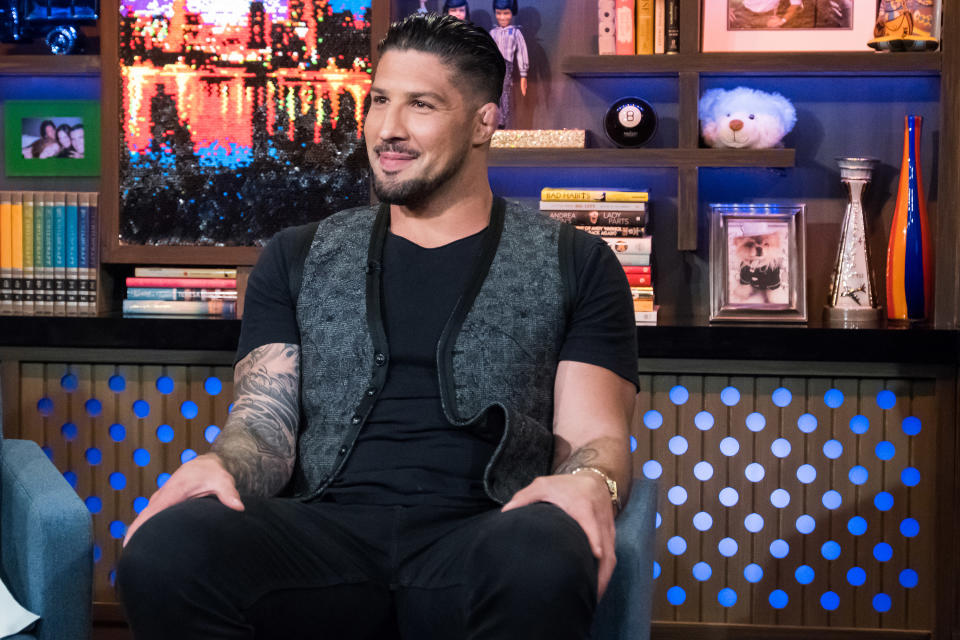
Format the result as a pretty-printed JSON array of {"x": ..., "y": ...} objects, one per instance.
[{"x": 414, "y": 192}]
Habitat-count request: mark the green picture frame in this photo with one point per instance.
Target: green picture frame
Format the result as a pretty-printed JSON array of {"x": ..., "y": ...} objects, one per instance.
[{"x": 27, "y": 154}]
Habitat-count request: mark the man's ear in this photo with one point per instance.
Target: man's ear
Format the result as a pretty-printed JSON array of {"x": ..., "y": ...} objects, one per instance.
[{"x": 485, "y": 123}]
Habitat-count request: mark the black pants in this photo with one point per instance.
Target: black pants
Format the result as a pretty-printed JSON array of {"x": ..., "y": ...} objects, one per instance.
[{"x": 285, "y": 569}]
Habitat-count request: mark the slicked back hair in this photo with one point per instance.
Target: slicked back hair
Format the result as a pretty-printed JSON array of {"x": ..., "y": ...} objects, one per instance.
[{"x": 471, "y": 53}]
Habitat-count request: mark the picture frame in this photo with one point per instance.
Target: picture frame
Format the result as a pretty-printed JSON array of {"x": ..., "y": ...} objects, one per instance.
[
  {"x": 757, "y": 263},
  {"x": 728, "y": 26},
  {"x": 51, "y": 138}
]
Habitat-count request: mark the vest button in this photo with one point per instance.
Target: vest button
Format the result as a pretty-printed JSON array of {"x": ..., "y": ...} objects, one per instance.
[
  {"x": 372, "y": 391},
  {"x": 355, "y": 420},
  {"x": 380, "y": 359},
  {"x": 343, "y": 451}
]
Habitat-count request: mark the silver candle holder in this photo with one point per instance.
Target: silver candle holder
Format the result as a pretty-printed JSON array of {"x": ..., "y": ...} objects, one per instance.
[{"x": 853, "y": 295}]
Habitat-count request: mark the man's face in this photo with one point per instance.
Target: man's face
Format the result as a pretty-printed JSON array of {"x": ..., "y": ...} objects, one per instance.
[
  {"x": 504, "y": 17},
  {"x": 76, "y": 137},
  {"x": 458, "y": 12},
  {"x": 418, "y": 129}
]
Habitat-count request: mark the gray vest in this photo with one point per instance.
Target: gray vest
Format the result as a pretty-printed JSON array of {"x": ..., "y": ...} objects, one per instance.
[{"x": 498, "y": 350}]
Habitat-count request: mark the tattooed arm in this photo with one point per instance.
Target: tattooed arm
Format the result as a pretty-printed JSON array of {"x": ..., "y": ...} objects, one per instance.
[
  {"x": 258, "y": 443},
  {"x": 593, "y": 408},
  {"x": 255, "y": 452}
]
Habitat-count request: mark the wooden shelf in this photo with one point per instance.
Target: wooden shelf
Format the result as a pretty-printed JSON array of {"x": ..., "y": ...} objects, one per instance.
[
  {"x": 806, "y": 63},
  {"x": 642, "y": 157},
  {"x": 77, "y": 65}
]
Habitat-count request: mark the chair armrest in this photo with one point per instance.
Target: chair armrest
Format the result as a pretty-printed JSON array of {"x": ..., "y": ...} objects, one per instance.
[
  {"x": 624, "y": 611},
  {"x": 46, "y": 542}
]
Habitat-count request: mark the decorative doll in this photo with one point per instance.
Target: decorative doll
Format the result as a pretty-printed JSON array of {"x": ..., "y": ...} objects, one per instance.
[
  {"x": 514, "y": 50},
  {"x": 457, "y": 9},
  {"x": 904, "y": 25}
]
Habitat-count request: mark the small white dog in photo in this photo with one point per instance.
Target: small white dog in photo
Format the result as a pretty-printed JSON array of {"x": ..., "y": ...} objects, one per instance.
[{"x": 758, "y": 267}]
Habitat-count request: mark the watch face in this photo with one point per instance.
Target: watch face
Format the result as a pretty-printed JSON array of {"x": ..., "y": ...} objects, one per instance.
[{"x": 630, "y": 122}]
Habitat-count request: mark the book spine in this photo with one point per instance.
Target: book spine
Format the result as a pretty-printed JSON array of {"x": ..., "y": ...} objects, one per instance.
[
  {"x": 28, "y": 254},
  {"x": 94, "y": 259},
  {"x": 627, "y": 269},
  {"x": 176, "y": 272},
  {"x": 612, "y": 232},
  {"x": 600, "y": 218},
  {"x": 83, "y": 253},
  {"x": 639, "y": 279},
  {"x": 631, "y": 245},
  {"x": 16, "y": 251},
  {"x": 59, "y": 254},
  {"x": 47, "y": 270},
  {"x": 644, "y": 27},
  {"x": 672, "y": 35},
  {"x": 626, "y": 45},
  {"x": 6, "y": 256},
  {"x": 560, "y": 205},
  {"x": 155, "y": 293},
  {"x": 72, "y": 276},
  {"x": 659, "y": 26},
  {"x": 646, "y": 317},
  {"x": 180, "y": 307},
  {"x": 188, "y": 283},
  {"x": 601, "y": 195},
  {"x": 607, "y": 34}
]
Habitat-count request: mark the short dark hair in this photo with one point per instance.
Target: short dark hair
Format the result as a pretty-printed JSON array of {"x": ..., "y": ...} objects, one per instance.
[{"x": 467, "y": 48}]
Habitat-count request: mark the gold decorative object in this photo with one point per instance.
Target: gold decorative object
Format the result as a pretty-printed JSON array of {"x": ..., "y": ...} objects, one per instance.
[{"x": 539, "y": 139}]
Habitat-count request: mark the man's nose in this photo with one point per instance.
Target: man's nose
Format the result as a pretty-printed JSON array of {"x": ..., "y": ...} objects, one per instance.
[{"x": 392, "y": 126}]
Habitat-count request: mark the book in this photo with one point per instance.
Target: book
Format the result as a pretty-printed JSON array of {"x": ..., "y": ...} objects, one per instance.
[
  {"x": 59, "y": 253},
  {"x": 183, "y": 272},
  {"x": 642, "y": 298},
  {"x": 180, "y": 307},
  {"x": 671, "y": 43},
  {"x": 16, "y": 251},
  {"x": 48, "y": 270},
  {"x": 156, "y": 293},
  {"x": 180, "y": 283},
  {"x": 634, "y": 259},
  {"x": 607, "y": 34},
  {"x": 598, "y": 195},
  {"x": 72, "y": 254},
  {"x": 6, "y": 255},
  {"x": 639, "y": 279},
  {"x": 612, "y": 232},
  {"x": 28, "y": 253},
  {"x": 642, "y": 245},
  {"x": 600, "y": 218},
  {"x": 659, "y": 26},
  {"x": 83, "y": 253},
  {"x": 626, "y": 46},
  {"x": 637, "y": 269},
  {"x": 644, "y": 35},
  {"x": 588, "y": 205},
  {"x": 94, "y": 247},
  {"x": 647, "y": 317}
]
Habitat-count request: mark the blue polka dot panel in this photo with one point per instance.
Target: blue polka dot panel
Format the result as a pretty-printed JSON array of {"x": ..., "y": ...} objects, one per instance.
[
  {"x": 116, "y": 432},
  {"x": 800, "y": 501}
]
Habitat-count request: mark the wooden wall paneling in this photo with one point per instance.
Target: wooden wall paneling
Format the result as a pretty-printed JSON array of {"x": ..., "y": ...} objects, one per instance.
[
  {"x": 31, "y": 425},
  {"x": 890, "y": 572},
  {"x": 865, "y": 616},
  {"x": 736, "y": 415},
  {"x": 222, "y": 401},
  {"x": 100, "y": 433},
  {"x": 697, "y": 592},
  {"x": 710, "y": 439},
  {"x": 924, "y": 553},
  {"x": 10, "y": 398},
  {"x": 662, "y": 609},
  {"x": 205, "y": 408},
  {"x": 946, "y": 475},
  {"x": 172, "y": 404},
  {"x": 802, "y": 549},
  {"x": 852, "y": 505},
  {"x": 53, "y": 427},
  {"x": 87, "y": 425}
]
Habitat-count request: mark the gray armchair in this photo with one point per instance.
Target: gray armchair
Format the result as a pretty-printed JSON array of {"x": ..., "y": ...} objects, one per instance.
[
  {"x": 625, "y": 609},
  {"x": 46, "y": 543}
]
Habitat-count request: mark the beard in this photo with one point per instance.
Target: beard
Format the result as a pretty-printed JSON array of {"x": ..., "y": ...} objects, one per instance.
[{"x": 414, "y": 192}]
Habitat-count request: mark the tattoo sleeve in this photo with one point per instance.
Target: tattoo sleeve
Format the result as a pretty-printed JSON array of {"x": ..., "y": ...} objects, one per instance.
[
  {"x": 584, "y": 456},
  {"x": 258, "y": 442}
]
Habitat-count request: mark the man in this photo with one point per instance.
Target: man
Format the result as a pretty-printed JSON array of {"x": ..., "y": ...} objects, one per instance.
[
  {"x": 761, "y": 14},
  {"x": 460, "y": 449}
]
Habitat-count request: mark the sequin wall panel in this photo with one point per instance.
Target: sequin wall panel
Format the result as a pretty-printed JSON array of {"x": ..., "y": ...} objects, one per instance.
[
  {"x": 117, "y": 433},
  {"x": 791, "y": 501},
  {"x": 239, "y": 118}
]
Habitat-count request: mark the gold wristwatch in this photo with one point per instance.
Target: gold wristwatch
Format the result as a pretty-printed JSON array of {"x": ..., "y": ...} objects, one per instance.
[{"x": 611, "y": 485}]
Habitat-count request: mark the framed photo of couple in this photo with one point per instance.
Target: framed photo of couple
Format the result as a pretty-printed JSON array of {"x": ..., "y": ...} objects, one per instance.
[
  {"x": 757, "y": 265},
  {"x": 52, "y": 137},
  {"x": 788, "y": 25}
]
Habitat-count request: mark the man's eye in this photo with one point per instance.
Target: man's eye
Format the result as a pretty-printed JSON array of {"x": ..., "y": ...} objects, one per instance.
[
  {"x": 419, "y": 104},
  {"x": 379, "y": 100}
]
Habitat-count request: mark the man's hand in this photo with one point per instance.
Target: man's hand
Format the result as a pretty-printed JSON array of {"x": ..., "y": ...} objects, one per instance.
[
  {"x": 585, "y": 498},
  {"x": 202, "y": 476}
]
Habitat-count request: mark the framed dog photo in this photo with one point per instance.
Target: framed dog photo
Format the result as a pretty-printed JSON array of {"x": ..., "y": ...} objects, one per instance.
[
  {"x": 757, "y": 263},
  {"x": 52, "y": 137}
]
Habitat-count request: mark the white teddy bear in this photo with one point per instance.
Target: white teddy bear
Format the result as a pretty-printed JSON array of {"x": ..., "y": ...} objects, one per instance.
[{"x": 745, "y": 118}]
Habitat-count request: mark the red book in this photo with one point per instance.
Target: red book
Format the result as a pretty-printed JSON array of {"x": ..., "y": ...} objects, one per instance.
[
  {"x": 638, "y": 279},
  {"x": 636, "y": 269},
  {"x": 190, "y": 283},
  {"x": 626, "y": 44}
]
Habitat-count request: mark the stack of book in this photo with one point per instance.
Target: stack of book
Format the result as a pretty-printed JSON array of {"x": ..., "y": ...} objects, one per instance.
[
  {"x": 181, "y": 291},
  {"x": 638, "y": 27},
  {"x": 49, "y": 253},
  {"x": 620, "y": 218}
]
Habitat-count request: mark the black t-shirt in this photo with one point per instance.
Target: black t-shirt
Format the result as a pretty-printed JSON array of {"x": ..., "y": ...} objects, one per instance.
[{"x": 408, "y": 453}]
